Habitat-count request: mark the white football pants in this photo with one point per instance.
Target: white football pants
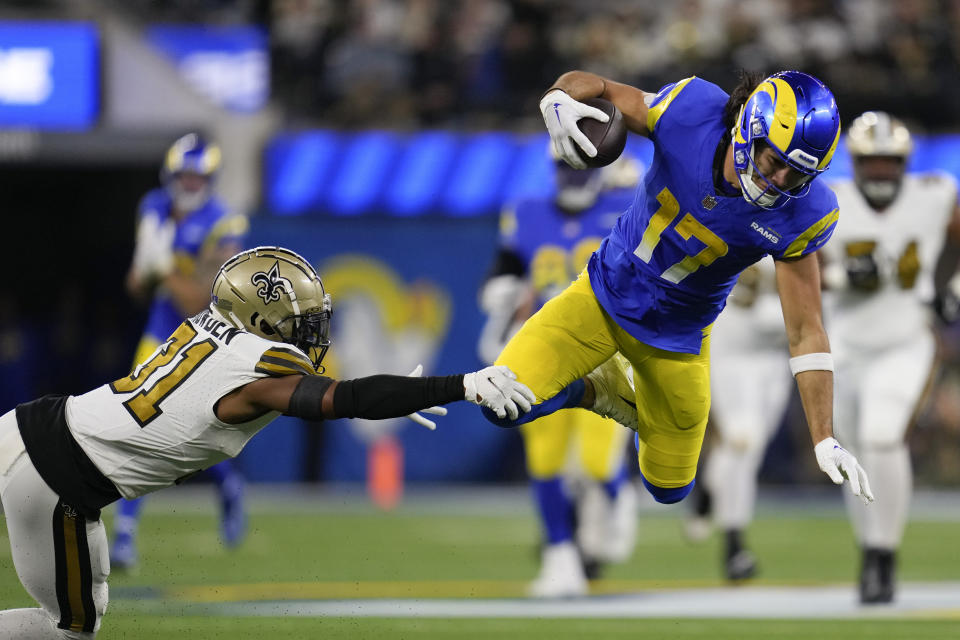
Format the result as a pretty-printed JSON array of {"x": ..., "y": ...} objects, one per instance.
[
  {"x": 878, "y": 391},
  {"x": 750, "y": 391},
  {"x": 60, "y": 557}
]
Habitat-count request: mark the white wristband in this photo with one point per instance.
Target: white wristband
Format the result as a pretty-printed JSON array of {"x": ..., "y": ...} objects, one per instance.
[{"x": 811, "y": 362}]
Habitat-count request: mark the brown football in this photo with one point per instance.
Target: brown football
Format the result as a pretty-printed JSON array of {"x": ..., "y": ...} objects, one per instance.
[{"x": 608, "y": 137}]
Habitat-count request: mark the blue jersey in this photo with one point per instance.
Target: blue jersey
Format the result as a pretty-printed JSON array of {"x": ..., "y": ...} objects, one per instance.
[
  {"x": 209, "y": 226},
  {"x": 554, "y": 246},
  {"x": 664, "y": 272}
]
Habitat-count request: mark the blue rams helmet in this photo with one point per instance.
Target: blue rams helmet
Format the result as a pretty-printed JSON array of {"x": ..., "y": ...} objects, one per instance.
[
  {"x": 796, "y": 116},
  {"x": 191, "y": 154}
]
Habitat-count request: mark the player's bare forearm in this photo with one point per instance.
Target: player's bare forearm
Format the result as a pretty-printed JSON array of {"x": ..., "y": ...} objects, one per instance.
[
  {"x": 816, "y": 396},
  {"x": 581, "y": 85},
  {"x": 798, "y": 282}
]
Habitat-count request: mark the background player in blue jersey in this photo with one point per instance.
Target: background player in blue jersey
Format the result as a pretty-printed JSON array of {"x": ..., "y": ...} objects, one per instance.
[
  {"x": 732, "y": 180},
  {"x": 184, "y": 233},
  {"x": 575, "y": 459}
]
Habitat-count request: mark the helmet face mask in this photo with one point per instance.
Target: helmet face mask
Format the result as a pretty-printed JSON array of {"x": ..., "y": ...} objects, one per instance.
[
  {"x": 880, "y": 146},
  {"x": 762, "y": 163},
  {"x": 309, "y": 332},
  {"x": 189, "y": 191},
  {"x": 879, "y": 178},
  {"x": 276, "y": 294},
  {"x": 795, "y": 116},
  {"x": 188, "y": 170}
]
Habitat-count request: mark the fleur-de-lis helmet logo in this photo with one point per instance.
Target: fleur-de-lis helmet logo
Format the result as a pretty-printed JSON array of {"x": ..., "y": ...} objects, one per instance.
[{"x": 270, "y": 284}]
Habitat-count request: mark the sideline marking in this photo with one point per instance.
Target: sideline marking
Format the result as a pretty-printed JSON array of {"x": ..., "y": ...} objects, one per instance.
[{"x": 933, "y": 601}]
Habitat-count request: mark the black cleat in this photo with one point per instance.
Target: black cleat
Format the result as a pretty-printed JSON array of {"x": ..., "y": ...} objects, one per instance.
[
  {"x": 739, "y": 563},
  {"x": 592, "y": 569},
  {"x": 741, "y": 566},
  {"x": 876, "y": 576}
]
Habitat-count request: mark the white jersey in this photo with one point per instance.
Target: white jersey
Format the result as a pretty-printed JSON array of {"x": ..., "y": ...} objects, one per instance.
[
  {"x": 156, "y": 426},
  {"x": 905, "y": 240},
  {"x": 749, "y": 371},
  {"x": 752, "y": 318}
]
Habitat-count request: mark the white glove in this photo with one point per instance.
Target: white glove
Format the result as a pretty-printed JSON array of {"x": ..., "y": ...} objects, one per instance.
[
  {"x": 437, "y": 411},
  {"x": 501, "y": 293},
  {"x": 497, "y": 389},
  {"x": 838, "y": 463},
  {"x": 561, "y": 114},
  {"x": 500, "y": 298},
  {"x": 153, "y": 254}
]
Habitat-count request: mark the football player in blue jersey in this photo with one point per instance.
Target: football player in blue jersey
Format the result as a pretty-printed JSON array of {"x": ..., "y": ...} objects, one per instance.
[
  {"x": 588, "y": 513},
  {"x": 184, "y": 233},
  {"x": 733, "y": 178}
]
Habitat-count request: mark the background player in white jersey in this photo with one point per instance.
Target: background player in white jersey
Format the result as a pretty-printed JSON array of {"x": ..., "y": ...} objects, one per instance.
[
  {"x": 750, "y": 390},
  {"x": 880, "y": 271},
  {"x": 575, "y": 459},
  {"x": 222, "y": 376}
]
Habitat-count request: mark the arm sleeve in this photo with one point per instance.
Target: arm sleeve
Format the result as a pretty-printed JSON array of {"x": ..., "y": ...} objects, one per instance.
[
  {"x": 384, "y": 396},
  {"x": 374, "y": 397}
]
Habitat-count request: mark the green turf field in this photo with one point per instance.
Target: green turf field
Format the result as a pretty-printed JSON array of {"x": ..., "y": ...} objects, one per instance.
[{"x": 357, "y": 552}]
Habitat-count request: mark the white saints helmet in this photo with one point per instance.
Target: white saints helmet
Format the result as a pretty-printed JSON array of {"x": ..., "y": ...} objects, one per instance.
[
  {"x": 876, "y": 134},
  {"x": 274, "y": 293}
]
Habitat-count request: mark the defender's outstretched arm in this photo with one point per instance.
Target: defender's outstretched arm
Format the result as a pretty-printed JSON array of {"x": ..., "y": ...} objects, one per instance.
[{"x": 374, "y": 397}]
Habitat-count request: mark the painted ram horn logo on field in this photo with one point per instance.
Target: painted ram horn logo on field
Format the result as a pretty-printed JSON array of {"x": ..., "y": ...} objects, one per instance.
[{"x": 271, "y": 284}]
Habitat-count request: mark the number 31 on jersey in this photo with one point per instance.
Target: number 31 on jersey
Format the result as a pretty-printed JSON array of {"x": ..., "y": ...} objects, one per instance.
[{"x": 144, "y": 406}]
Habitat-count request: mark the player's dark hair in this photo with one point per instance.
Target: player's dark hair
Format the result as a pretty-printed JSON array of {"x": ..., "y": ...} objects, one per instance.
[{"x": 748, "y": 81}]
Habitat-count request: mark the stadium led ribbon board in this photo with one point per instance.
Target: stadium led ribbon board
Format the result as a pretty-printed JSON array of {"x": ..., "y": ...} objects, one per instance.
[{"x": 49, "y": 75}]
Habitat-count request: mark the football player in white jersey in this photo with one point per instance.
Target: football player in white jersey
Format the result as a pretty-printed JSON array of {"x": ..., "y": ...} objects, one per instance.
[
  {"x": 879, "y": 271},
  {"x": 222, "y": 376},
  {"x": 750, "y": 390}
]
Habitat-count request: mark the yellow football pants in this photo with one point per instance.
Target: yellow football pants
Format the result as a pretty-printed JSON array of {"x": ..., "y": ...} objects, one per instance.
[
  {"x": 598, "y": 442},
  {"x": 572, "y": 335}
]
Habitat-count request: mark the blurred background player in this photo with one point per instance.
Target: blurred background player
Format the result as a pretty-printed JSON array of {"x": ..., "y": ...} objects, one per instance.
[
  {"x": 575, "y": 459},
  {"x": 882, "y": 271},
  {"x": 184, "y": 234},
  {"x": 750, "y": 390}
]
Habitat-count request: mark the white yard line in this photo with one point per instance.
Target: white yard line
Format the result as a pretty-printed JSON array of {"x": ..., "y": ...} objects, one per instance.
[{"x": 914, "y": 600}]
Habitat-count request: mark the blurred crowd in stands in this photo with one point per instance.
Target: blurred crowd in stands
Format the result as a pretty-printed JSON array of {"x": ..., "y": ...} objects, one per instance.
[{"x": 482, "y": 63}]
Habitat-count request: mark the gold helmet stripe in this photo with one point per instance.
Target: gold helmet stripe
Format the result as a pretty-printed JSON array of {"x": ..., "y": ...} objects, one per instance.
[{"x": 784, "y": 113}]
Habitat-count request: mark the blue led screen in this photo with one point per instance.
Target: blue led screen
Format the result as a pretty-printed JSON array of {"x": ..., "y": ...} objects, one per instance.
[
  {"x": 49, "y": 75},
  {"x": 330, "y": 173}
]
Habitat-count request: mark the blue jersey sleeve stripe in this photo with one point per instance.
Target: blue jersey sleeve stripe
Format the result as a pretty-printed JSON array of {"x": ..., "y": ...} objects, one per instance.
[
  {"x": 660, "y": 104},
  {"x": 823, "y": 225}
]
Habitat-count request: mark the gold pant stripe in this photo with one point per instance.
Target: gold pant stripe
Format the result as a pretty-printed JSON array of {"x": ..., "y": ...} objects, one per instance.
[{"x": 74, "y": 575}]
